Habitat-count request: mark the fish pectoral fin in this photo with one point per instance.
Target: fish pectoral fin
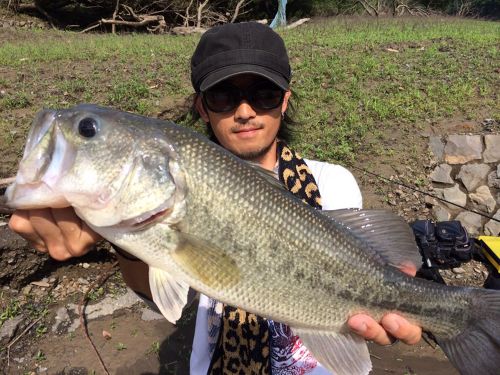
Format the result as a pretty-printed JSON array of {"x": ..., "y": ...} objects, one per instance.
[
  {"x": 206, "y": 262},
  {"x": 169, "y": 295},
  {"x": 343, "y": 353},
  {"x": 384, "y": 233}
]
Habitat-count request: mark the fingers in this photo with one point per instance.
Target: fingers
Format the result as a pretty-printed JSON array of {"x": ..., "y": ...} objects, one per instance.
[
  {"x": 78, "y": 237},
  {"x": 47, "y": 229},
  {"x": 401, "y": 328},
  {"x": 57, "y": 231},
  {"x": 408, "y": 268},
  {"x": 391, "y": 327},
  {"x": 20, "y": 223}
]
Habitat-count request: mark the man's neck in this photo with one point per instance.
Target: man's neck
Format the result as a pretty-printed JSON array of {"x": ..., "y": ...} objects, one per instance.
[{"x": 268, "y": 160}]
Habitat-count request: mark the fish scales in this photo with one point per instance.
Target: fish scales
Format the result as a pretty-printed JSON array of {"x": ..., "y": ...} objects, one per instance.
[{"x": 323, "y": 281}]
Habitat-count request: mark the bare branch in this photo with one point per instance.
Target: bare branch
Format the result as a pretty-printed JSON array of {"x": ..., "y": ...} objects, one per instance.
[
  {"x": 297, "y": 23},
  {"x": 91, "y": 27},
  {"x": 370, "y": 9},
  {"x": 239, "y": 5},
  {"x": 144, "y": 20},
  {"x": 200, "y": 11},
  {"x": 117, "y": 6}
]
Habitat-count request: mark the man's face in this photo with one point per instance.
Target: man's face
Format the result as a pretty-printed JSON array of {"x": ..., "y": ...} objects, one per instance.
[{"x": 248, "y": 132}]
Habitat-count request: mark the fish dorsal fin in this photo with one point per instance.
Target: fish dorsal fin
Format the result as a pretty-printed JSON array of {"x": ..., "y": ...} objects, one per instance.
[
  {"x": 169, "y": 295},
  {"x": 343, "y": 353},
  {"x": 270, "y": 176},
  {"x": 384, "y": 233}
]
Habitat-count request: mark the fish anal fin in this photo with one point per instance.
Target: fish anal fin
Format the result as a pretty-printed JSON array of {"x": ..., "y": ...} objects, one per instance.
[
  {"x": 343, "y": 353},
  {"x": 169, "y": 295}
]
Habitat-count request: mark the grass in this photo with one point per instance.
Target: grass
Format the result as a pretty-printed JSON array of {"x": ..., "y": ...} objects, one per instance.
[
  {"x": 354, "y": 77},
  {"x": 8, "y": 310}
]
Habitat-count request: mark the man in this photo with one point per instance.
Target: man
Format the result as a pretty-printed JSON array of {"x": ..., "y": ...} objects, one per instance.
[{"x": 241, "y": 76}]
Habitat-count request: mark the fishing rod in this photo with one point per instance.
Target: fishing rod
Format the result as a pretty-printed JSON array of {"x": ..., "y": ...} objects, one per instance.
[{"x": 400, "y": 183}]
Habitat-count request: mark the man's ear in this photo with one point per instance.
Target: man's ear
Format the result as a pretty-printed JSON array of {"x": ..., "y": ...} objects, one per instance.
[
  {"x": 284, "y": 105},
  {"x": 198, "y": 103}
]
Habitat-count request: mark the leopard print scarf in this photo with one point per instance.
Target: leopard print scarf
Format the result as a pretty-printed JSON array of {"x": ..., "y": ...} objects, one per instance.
[{"x": 243, "y": 343}]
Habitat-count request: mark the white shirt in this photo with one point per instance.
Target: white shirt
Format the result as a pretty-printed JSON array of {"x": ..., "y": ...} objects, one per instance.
[{"x": 338, "y": 189}]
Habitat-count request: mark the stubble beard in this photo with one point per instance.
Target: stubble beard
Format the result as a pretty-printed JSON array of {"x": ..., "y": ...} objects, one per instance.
[{"x": 254, "y": 155}]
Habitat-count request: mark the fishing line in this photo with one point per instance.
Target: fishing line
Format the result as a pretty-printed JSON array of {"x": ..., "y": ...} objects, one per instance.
[{"x": 397, "y": 182}]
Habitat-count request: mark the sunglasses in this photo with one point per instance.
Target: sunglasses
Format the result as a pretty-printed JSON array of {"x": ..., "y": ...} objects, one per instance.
[{"x": 261, "y": 96}]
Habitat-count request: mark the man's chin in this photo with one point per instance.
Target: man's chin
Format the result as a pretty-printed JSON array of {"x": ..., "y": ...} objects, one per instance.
[{"x": 253, "y": 154}]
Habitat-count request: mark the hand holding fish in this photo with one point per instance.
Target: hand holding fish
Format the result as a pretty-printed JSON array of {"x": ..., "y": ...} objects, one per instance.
[
  {"x": 390, "y": 327},
  {"x": 57, "y": 231}
]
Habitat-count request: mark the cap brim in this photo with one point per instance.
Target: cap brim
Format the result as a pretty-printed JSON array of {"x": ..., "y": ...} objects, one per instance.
[{"x": 234, "y": 70}]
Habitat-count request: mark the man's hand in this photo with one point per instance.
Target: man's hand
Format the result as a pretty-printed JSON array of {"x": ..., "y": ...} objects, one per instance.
[
  {"x": 58, "y": 232},
  {"x": 390, "y": 327}
]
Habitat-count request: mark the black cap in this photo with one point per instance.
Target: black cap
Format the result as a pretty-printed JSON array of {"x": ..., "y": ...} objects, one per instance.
[{"x": 237, "y": 48}]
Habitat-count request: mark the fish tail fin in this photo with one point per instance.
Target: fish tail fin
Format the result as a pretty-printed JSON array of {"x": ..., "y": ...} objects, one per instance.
[{"x": 476, "y": 350}]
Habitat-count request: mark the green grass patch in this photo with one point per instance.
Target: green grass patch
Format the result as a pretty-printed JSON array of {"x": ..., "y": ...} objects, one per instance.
[{"x": 353, "y": 76}]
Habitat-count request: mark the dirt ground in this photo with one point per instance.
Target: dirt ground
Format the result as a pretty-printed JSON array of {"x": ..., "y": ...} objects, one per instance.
[{"x": 134, "y": 346}]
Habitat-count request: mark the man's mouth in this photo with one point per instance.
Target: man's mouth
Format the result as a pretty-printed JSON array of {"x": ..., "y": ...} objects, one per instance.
[{"x": 246, "y": 130}]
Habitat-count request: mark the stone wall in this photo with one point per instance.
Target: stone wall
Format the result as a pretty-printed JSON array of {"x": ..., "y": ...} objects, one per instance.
[{"x": 467, "y": 172}]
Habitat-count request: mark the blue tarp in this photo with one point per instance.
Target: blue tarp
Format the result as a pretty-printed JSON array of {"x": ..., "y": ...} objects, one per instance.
[{"x": 280, "y": 17}]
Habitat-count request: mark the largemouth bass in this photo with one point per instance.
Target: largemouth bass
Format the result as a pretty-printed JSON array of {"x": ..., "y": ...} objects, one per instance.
[{"x": 202, "y": 218}]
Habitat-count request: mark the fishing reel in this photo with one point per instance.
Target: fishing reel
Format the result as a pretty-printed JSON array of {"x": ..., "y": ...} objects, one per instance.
[{"x": 446, "y": 245}]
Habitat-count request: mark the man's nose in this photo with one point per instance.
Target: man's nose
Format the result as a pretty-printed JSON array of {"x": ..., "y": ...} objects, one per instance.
[{"x": 244, "y": 111}]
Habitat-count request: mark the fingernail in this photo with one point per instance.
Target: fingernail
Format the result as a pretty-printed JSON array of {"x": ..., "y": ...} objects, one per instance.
[
  {"x": 391, "y": 326},
  {"x": 361, "y": 328}
]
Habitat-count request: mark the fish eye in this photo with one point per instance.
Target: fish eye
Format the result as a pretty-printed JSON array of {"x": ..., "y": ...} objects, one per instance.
[{"x": 88, "y": 127}]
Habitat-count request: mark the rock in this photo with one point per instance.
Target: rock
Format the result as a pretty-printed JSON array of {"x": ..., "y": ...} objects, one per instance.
[
  {"x": 150, "y": 315},
  {"x": 42, "y": 284},
  {"x": 458, "y": 270},
  {"x": 473, "y": 175},
  {"x": 492, "y": 227},
  {"x": 440, "y": 213},
  {"x": 27, "y": 290},
  {"x": 483, "y": 200},
  {"x": 453, "y": 195},
  {"x": 436, "y": 147},
  {"x": 61, "y": 317},
  {"x": 471, "y": 222},
  {"x": 9, "y": 328},
  {"x": 442, "y": 173},
  {"x": 82, "y": 281},
  {"x": 430, "y": 201},
  {"x": 85, "y": 265},
  {"x": 491, "y": 152},
  {"x": 461, "y": 149},
  {"x": 494, "y": 180},
  {"x": 105, "y": 307}
]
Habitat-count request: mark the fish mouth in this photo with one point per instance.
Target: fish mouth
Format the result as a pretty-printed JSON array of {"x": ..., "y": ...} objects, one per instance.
[
  {"x": 46, "y": 155},
  {"x": 45, "y": 120},
  {"x": 146, "y": 219}
]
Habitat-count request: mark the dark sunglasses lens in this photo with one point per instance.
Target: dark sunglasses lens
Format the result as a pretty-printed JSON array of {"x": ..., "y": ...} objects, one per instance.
[
  {"x": 221, "y": 100},
  {"x": 265, "y": 97}
]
